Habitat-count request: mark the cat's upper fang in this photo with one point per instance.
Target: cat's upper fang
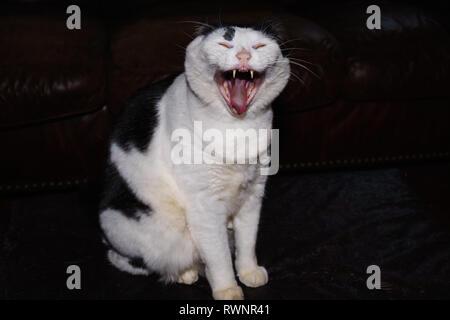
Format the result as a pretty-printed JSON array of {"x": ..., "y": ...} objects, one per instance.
[{"x": 237, "y": 73}]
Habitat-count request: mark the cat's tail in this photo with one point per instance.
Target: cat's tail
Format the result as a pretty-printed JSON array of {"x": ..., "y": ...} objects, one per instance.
[{"x": 133, "y": 266}]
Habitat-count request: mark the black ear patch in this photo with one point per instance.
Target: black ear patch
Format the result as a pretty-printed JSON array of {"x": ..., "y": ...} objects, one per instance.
[
  {"x": 206, "y": 28},
  {"x": 229, "y": 33},
  {"x": 272, "y": 28}
]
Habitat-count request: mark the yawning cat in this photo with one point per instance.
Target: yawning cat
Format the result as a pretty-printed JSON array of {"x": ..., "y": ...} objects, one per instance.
[{"x": 171, "y": 219}]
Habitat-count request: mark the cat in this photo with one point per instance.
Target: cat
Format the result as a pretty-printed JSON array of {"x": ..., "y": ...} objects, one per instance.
[{"x": 171, "y": 219}]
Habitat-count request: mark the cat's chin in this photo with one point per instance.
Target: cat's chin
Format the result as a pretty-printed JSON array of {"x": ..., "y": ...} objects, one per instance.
[{"x": 238, "y": 88}]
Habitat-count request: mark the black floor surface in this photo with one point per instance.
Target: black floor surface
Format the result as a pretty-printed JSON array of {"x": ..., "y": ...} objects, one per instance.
[{"x": 319, "y": 232}]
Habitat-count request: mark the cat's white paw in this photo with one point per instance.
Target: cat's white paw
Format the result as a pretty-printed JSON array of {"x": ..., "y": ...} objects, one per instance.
[
  {"x": 254, "y": 278},
  {"x": 233, "y": 293},
  {"x": 188, "y": 277}
]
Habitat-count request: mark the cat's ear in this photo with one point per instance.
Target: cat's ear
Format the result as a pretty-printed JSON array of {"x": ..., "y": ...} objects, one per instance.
[
  {"x": 204, "y": 28},
  {"x": 274, "y": 29}
]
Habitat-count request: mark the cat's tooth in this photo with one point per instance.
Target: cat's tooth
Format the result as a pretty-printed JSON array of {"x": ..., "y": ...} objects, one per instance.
[
  {"x": 251, "y": 74},
  {"x": 234, "y": 73},
  {"x": 225, "y": 85},
  {"x": 250, "y": 89}
]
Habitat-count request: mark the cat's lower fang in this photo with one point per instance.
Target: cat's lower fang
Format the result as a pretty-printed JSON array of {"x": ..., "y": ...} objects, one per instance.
[
  {"x": 250, "y": 89},
  {"x": 225, "y": 86}
]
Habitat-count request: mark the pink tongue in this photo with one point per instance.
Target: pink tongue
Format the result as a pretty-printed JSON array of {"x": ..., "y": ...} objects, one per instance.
[{"x": 238, "y": 96}]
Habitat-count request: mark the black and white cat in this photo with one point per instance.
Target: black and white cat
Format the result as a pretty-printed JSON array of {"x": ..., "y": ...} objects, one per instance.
[{"x": 158, "y": 216}]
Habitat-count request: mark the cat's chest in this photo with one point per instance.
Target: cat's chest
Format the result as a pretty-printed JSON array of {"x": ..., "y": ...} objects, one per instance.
[{"x": 232, "y": 182}]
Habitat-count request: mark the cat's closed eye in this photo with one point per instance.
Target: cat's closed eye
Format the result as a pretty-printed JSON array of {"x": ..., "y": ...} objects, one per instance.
[
  {"x": 258, "y": 46},
  {"x": 226, "y": 45}
]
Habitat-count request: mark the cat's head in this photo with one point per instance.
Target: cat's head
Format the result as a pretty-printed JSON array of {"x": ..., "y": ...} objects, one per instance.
[{"x": 242, "y": 67}]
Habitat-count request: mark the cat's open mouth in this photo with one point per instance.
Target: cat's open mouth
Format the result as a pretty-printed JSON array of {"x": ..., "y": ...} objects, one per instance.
[{"x": 238, "y": 88}]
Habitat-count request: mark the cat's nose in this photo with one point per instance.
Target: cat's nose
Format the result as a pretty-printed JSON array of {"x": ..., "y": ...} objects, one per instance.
[{"x": 243, "y": 57}]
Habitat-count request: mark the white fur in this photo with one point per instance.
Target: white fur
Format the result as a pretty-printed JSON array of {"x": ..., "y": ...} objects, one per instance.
[{"x": 192, "y": 203}]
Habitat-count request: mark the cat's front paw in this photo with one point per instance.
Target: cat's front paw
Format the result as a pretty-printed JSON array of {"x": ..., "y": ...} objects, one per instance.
[
  {"x": 188, "y": 277},
  {"x": 233, "y": 293},
  {"x": 254, "y": 278}
]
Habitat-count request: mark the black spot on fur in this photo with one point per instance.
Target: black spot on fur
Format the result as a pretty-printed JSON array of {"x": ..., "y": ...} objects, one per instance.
[
  {"x": 117, "y": 195},
  {"x": 229, "y": 33},
  {"x": 137, "y": 262},
  {"x": 271, "y": 28},
  {"x": 134, "y": 128},
  {"x": 139, "y": 118}
]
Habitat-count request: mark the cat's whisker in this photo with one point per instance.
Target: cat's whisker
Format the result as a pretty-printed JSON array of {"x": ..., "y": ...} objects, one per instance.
[
  {"x": 300, "y": 65},
  {"x": 304, "y": 61},
  {"x": 180, "y": 47},
  {"x": 189, "y": 35},
  {"x": 289, "y": 55},
  {"x": 291, "y": 59},
  {"x": 292, "y": 73},
  {"x": 289, "y": 49},
  {"x": 291, "y": 40},
  {"x": 306, "y": 68},
  {"x": 296, "y": 76},
  {"x": 197, "y": 22}
]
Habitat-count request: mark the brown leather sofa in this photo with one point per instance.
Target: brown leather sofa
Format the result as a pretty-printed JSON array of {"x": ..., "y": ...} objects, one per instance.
[{"x": 378, "y": 96}]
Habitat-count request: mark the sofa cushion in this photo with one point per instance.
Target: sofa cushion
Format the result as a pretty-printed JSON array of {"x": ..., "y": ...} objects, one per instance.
[
  {"x": 48, "y": 71},
  {"x": 350, "y": 132},
  {"x": 409, "y": 57},
  {"x": 55, "y": 154}
]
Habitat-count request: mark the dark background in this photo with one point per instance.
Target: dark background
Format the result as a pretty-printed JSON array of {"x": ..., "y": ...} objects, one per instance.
[{"x": 364, "y": 177}]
